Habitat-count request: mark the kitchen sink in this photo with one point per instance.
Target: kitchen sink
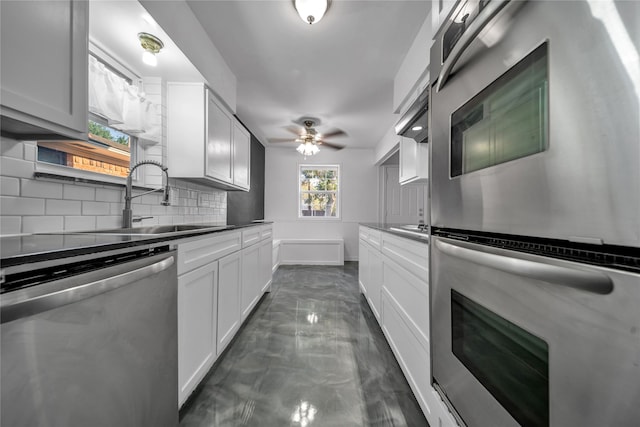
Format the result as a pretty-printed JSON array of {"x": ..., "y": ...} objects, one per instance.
[{"x": 154, "y": 230}]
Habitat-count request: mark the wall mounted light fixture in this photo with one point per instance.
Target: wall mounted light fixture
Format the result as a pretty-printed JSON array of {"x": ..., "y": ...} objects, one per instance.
[
  {"x": 151, "y": 45},
  {"x": 311, "y": 11}
]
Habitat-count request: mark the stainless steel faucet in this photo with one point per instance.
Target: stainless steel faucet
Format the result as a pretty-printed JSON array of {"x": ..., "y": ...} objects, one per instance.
[{"x": 127, "y": 213}]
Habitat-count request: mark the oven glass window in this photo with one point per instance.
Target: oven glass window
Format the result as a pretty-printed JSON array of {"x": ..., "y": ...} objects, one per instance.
[
  {"x": 512, "y": 364},
  {"x": 508, "y": 120}
]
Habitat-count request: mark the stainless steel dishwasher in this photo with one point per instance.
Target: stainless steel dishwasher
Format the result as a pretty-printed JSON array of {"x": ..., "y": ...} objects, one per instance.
[{"x": 91, "y": 342}]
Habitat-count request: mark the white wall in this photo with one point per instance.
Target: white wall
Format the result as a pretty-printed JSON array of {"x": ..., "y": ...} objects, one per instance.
[{"x": 359, "y": 195}]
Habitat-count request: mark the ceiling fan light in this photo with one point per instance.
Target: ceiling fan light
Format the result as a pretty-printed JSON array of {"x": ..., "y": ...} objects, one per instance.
[
  {"x": 311, "y": 11},
  {"x": 307, "y": 149}
]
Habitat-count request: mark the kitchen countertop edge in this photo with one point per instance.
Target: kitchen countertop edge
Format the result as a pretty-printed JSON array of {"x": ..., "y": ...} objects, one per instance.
[
  {"x": 30, "y": 248},
  {"x": 387, "y": 228}
]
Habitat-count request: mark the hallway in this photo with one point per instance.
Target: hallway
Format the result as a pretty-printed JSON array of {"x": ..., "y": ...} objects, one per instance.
[{"x": 311, "y": 354}]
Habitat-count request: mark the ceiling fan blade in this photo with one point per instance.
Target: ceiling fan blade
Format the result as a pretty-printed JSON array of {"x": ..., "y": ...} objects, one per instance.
[
  {"x": 334, "y": 133},
  {"x": 330, "y": 145},
  {"x": 294, "y": 130},
  {"x": 281, "y": 140}
]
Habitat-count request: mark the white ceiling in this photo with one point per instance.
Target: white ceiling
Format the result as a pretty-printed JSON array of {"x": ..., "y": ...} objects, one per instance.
[
  {"x": 339, "y": 70},
  {"x": 114, "y": 26}
]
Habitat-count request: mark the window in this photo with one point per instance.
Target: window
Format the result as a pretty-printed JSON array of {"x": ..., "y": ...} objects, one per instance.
[
  {"x": 119, "y": 118},
  {"x": 108, "y": 152},
  {"x": 319, "y": 191}
]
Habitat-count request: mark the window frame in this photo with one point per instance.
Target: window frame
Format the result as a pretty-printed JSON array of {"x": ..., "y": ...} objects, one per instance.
[
  {"x": 135, "y": 148},
  {"x": 338, "y": 191}
]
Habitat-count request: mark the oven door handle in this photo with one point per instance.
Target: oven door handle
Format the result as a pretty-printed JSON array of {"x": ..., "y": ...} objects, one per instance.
[
  {"x": 483, "y": 19},
  {"x": 95, "y": 283},
  {"x": 589, "y": 281}
]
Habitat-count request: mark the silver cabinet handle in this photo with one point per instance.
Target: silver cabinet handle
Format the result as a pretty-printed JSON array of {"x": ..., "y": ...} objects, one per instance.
[
  {"x": 97, "y": 282},
  {"x": 589, "y": 281},
  {"x": 482, "y": 20}
]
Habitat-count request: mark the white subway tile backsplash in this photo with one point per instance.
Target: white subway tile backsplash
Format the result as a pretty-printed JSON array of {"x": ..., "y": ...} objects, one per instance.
[
  {"x": 16, "y": 167},
  {"x": 116, "y": 208},
  {"x": 63, "y": 207},
  {"x": 110, "y": 221},
  {"x": 10, "y": 225},
  {"x": 44, "y": 189},
  {"x": 10, "y": 205},
  {"x": 42, "y": 224},
  {"x": 109, "y": 195},
  {"x": 11, "y": 148},
  {"x": 141, "y": 210},
  {"x": 79, "y": 223},
  {"x": 150, "y": 199},
  {"x": 9, "y": 186},
  {"x": 30, "y": 151},
  {"x": 78, "y": 192},
  {"x": 95, "y": 208}
]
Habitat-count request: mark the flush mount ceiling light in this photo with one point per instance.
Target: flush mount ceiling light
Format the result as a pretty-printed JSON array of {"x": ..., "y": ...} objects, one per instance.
[
  {"x": 151, "y": 45},
  {"x": 311, "y": 11}
]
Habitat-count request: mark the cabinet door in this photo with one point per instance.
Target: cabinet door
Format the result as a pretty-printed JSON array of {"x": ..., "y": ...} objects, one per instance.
[
  {"x": 241, "y": 156},
  {"x": 250, "y": 279},
  {"x": 374, "y": 274},
  {"x": 219, "y": 155},
  {"x": 229, "y": 286},
  {"x": 363, "y": 266},
  {"x": 44, "y": 66},
  {"x": 197, "y": 306},
  {"x": 408, "y": 153},
  {"x": 266, "y": 265}
]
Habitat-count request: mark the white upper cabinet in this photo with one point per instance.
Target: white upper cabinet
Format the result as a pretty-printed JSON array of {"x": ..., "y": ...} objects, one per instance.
[
  {"x": 44, "y": 68},
  {"x": 414, "y": 161},
  {"x": 241, "y": 156},
  {"x": 205, "y": 142},
  {"x": 219, "y": 154}
]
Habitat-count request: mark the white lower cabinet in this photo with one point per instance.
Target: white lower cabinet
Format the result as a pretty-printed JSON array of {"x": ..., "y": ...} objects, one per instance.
[
  {"x": 370, "y": 275},
  {"x": 394, "y": 276},
  {"x": 375, "y": 281},
  {"x": 251, "y": 286},
  {"x": 197, "y": 307},
  {"x": 219, "y": 283},
  {"x": 410, "y": 349},
  {"x": 266, "y": 264},
  {"x": 229, "y": 290}
]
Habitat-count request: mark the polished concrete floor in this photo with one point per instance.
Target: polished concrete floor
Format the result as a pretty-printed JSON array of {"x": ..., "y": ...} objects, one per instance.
[{"x": 311, "y": 354}]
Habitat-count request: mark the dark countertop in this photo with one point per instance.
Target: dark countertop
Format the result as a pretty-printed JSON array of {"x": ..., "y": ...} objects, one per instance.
[
  {"x": 396, "y": 229},
  {"x": 22, "y": 249}
]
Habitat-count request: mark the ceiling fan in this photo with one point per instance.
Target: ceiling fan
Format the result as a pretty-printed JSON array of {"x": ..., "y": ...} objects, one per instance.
[{"x": 309, "y": 137}]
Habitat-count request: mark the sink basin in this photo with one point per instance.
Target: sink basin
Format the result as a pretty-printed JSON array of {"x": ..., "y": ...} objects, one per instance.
[{"x": 156, "y": 229}]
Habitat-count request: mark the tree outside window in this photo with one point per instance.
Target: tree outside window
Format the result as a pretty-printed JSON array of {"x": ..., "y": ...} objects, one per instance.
[{"x": 319, "y": 191}]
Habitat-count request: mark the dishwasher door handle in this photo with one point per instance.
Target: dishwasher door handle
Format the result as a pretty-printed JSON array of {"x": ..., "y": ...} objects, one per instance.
[{"x": 97, "y": 282}]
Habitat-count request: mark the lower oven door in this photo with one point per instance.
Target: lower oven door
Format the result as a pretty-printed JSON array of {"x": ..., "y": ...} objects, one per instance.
[{"x": 520, "y": 339}]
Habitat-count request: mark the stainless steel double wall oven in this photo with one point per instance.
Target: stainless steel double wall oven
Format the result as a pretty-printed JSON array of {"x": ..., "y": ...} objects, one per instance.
[{"x": 535, "y": 215}]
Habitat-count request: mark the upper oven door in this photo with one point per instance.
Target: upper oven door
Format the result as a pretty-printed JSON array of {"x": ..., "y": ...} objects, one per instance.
[
  {"x": 535, "y": 122},
  {"x": 520, "y": 339}
]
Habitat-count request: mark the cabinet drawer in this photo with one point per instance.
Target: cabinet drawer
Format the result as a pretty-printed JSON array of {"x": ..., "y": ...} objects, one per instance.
[
  {"x": 411, "y": 255},
  {"x": 250, "y": 236},
  {"x": 266, "y": 232},
  {"x": 374, "y": 238},
  {"x": 371, "y": 236},
  {"x": 194, "y": 254}
]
